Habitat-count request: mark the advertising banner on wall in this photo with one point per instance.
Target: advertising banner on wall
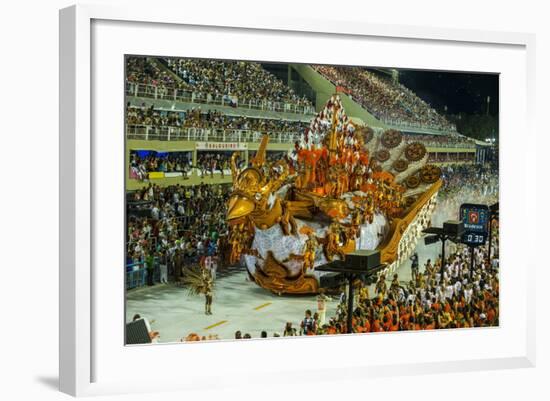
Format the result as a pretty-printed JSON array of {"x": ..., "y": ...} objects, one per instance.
[
  {"x": 173, "y": 174},
  {"x": 221, "y": 146},
  {"x": 153, "y": 175}
]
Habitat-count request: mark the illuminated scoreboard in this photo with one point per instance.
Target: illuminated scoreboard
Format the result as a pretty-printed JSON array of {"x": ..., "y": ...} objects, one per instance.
[{"x": 476, "y": 223}]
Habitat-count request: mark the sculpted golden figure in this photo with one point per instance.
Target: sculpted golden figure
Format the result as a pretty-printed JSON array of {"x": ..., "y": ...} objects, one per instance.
[
  {"x": 336, "y": 241},
  {"x": 309, "y": 252}
]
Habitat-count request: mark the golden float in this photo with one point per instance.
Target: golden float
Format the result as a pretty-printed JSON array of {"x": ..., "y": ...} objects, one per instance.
[{"x": 344, "y": 187}]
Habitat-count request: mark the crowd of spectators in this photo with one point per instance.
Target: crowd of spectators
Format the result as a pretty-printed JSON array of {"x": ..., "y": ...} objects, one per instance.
[
  {"x": 463, "y": 183},
  {"x": 271, "y": 156},
  {"x": 210, "y": 119},
  {"x": 208, "y": 162},
  {"x": 462, "y": 298},
  {"x": 444, "y": 141},
  {"x": 386, "y": 99},
  {"x": 144, "y": 71},
  {"x": 182, "y": 225},
  {"x": 144, "y": 162},
  {"x": 239, "y": 81},
  {"x": 223, "y": 82},
  {"x": 450, "y": 157}
]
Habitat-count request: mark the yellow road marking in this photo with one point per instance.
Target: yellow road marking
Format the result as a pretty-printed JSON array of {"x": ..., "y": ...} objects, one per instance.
[
  {"x": 262, "y": 306},
  {"x": 215, "y": 325}
]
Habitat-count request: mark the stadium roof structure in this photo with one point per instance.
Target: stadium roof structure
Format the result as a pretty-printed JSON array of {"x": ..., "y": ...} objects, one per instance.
[{"x": 481, "y": 143}]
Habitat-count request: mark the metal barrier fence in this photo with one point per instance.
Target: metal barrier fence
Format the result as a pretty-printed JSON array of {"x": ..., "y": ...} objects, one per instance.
[
  {"x": 139, "y": 277},
  {"x": 451, "y": 157},
  {"x": 166, "y": 133},
  {"x": 435, "y": 144},
  {"x": 176, "y": 94},
  {"x": 136, "y": 278},
  {"x": 402, "y": 125}
]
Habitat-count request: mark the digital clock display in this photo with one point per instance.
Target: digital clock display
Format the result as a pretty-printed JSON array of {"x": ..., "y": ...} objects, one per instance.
[
  {"x": 476, "y": 223},
  {"x": 472, "y": 238}
]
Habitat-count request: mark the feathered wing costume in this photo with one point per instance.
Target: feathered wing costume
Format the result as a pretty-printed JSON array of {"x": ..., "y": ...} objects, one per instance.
[{"x": 199, "y": 281}]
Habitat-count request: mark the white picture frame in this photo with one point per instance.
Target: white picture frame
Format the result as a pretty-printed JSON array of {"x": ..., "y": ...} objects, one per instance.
[{"x": 81, "y": 345}]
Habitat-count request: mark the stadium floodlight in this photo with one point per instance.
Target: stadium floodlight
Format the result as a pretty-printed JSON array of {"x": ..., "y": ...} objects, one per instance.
[
  {"x": 433, "y": 230},
  {"x": 358, "y": 264},
  {"x": 431, "y": 239}
]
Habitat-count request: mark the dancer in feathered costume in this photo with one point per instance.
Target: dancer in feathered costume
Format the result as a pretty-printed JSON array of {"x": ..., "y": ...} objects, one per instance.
[{"x": 199, "y": 281}]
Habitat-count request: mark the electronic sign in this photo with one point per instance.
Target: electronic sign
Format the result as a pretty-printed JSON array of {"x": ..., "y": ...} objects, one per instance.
[{"x": 476, "y": 223}]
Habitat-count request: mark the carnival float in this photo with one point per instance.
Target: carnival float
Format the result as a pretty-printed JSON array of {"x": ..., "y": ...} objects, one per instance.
[{"x": 343, "y": 187}]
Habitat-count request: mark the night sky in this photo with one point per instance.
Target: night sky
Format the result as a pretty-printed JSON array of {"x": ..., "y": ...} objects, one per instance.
[{"x": 460, "y": 92}]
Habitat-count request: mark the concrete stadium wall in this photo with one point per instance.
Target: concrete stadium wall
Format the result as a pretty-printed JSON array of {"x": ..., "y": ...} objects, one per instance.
[{"x": 193, "y": 179}]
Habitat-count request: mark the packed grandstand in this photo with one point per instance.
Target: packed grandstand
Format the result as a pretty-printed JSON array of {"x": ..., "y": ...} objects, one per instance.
[{"x": 186, "y": 117}]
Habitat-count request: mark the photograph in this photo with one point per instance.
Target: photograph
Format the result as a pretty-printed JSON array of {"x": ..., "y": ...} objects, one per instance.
[
  {"x": 266, "y": 199},
  {"x": 246, "y": 200}
]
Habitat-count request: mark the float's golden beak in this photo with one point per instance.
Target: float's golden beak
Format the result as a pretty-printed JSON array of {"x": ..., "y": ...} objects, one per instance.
[{"x": 238, "y": 206}]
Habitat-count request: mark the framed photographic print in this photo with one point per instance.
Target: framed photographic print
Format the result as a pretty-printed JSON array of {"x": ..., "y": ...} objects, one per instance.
[{"x": 289, "y": 189}]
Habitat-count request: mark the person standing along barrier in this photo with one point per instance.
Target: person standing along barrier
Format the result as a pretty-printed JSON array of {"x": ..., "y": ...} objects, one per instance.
[{"x": 149, "y": 266}]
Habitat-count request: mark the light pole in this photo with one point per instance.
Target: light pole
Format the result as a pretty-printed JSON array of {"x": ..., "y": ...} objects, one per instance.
[
  {"x": 437, "y": 234},
  {"x": 471, "y": 262},
  {"x": 451, "y": 230},
  {"x": 357, "y": 264},
  {"x": 493, "y": 215}
]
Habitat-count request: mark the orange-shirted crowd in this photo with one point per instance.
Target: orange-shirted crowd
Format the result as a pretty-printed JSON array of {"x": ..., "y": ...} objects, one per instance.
[{"x": 427, "y": 302}]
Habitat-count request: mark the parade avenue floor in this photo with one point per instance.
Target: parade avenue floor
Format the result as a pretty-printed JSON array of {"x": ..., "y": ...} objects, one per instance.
[{"x": 239, "y": 304}]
